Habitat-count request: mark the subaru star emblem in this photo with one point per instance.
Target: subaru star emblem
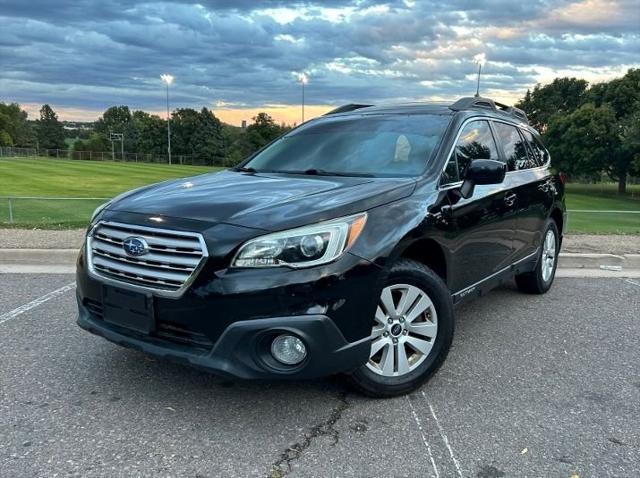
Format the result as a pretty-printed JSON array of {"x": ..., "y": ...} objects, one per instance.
[{"x": 135, "y": 246}]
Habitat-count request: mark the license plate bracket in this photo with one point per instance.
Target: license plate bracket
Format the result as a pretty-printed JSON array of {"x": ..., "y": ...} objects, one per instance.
[{"x": 128, "y": 309}]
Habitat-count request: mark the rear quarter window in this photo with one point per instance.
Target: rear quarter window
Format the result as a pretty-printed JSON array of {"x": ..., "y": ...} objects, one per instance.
[{"x": 539, "y": 153}]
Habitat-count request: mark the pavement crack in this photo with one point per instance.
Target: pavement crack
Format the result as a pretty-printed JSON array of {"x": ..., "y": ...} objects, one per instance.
[{"x": 282, "y": 467}]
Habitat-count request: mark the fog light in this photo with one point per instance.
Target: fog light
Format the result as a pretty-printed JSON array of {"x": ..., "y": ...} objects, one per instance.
[{"x": 288, "y": 349}]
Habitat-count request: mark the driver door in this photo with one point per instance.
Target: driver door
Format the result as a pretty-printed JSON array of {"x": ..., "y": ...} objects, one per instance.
[{"x": 483, "y": 225}]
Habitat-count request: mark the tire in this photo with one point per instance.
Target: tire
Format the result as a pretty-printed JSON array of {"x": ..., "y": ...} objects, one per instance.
[
  {"x": 415, "y": 334},
  {"x": 539, "y": 280}
]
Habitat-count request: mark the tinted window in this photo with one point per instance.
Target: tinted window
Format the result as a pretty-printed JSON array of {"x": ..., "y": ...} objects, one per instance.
[
  {"x": 538, "y": 152},
  {"x": 385, "y": 145},
  {"x": 514, "y": 147},
  {"x": 475, "y": 142}
]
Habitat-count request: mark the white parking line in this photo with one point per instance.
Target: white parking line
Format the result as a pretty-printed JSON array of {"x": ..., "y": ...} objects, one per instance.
[
  {"x": 35, "y": 303},
  {"x": 443, "y": 435},
  {"x": 631, "y": 281},
  {"x": 424, "y": 439}
]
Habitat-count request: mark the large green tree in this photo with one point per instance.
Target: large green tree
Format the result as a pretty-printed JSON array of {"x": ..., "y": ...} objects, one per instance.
[
  {"x": 117, "y": 119},
  {"x": 184, "y": 124},
  {"x": 264, "y": 129},
  {"x": 6, "y": 127},
  {"x": 261, "y": 132},
  {"x": 151, "y": 133},
  {"x": 198, "y": 134},
  {"x": 592, "y": 140},
  {"x": 49, "y": 129},
  {"x": 95, "y": 143},
  {"x": 623, "y": 94},
  {"x": 590, "y": 131},
  {"x": 630, "y": 138},
  {"x": 208, "y": 142},
  {"x": 561, "y": 96},
  {"x": 15, "y": 130}
]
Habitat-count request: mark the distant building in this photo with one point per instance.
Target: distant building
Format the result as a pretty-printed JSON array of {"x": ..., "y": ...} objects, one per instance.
[{"x": 244, "y": 124}]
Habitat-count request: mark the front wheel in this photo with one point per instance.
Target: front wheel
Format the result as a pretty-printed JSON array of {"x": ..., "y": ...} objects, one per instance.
[
  {"x": 539, "y": 280},
  {"x": 411, "y": 332}
]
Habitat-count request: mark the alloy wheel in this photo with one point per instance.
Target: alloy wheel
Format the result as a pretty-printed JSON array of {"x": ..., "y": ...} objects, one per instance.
[
  {"x": 405, "y": 328},
  {"x": 548, "y": 255}
]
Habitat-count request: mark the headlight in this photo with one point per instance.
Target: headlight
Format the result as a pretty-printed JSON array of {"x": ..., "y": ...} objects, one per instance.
[
  {"x": 98, "y": 210},
  {"x": 302, "y": 247}
]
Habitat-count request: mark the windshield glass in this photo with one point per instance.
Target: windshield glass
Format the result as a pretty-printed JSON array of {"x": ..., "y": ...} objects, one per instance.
[{"x": 385, "y": 145}]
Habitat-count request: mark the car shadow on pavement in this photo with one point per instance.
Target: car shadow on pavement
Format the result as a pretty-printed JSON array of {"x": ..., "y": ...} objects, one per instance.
[{"x": 153, "y": 382}]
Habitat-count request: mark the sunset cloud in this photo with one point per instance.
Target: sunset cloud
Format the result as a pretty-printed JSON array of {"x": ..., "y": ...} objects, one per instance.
[{"x": 240, "y": 57}]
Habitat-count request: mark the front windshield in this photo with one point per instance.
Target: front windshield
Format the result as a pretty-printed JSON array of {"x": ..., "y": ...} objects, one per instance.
[{"x": 383, "y": 145}]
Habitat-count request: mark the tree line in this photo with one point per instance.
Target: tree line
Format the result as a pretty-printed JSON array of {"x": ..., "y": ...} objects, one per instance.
[
  {"x": 17, "y": 130},
  {"x": 198, "y": 134},
  {"x": 590, "y": 130}
]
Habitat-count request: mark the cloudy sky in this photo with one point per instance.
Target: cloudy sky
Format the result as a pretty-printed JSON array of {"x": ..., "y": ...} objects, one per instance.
[{"x": 241, "y": 56}]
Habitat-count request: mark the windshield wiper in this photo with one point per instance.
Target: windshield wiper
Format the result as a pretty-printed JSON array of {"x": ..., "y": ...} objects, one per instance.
[
  {"x": 242, "y": 169},
  {"x": 322, "y": 172}
]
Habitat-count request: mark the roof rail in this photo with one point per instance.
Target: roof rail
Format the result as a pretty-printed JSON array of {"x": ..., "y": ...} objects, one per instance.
[
  {"x": 513, "y": 111},
  {"x": 486, "y": 103},
  {"x": 346, "y": 109},
  {"x": 473, "y": 102}
]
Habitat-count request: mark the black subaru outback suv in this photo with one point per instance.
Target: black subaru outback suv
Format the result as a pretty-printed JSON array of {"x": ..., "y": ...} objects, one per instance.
[{"x": 342, "y": 246}]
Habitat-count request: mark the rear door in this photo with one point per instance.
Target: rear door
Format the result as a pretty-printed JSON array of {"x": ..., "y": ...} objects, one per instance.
[
  {"x": 482, "y": 226},
  {"x": 528, "y": 182},
  {"x": 539, "y": 187}
]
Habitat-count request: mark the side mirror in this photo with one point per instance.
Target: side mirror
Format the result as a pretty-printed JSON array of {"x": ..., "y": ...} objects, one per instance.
[{"x": 482, "y": 171}]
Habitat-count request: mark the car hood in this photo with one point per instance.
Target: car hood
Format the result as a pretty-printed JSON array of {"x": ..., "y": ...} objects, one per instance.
[{"x": 263, "y": 201}]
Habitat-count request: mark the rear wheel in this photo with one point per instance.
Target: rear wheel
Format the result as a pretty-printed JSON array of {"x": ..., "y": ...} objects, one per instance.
[
  {"x": 411, "y": 332},
  {"x": 539, "y": 280}
]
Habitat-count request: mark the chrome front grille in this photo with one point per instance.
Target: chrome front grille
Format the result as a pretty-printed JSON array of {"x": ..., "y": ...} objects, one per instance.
[{"x": 167, "y": 267}]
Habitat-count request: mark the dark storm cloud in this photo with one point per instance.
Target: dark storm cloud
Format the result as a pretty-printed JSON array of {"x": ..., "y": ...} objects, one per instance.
[
  {"x": 90, "y": 54},
  {"x": 107, "y": 9}
]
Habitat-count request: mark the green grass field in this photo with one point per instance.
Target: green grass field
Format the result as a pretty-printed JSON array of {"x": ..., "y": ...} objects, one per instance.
[
  {"x": 85, "y": 179},
  {"x": 603, "y": 197},
  {"x": 78, "y": 179}
]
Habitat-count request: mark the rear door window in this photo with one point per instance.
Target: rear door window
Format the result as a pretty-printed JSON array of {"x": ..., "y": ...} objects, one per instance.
[
  {"x": 513, "y": 146},
  {"x": 475, "y": 142},
  {"x": 538, "y": 152}
]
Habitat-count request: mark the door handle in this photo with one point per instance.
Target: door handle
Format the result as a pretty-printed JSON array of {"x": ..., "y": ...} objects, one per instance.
[{"x": 510, "y": 199}]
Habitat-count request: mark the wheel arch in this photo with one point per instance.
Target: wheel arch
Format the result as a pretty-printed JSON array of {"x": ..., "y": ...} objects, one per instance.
[
  {"x": 426, "y": 251},
  {"x": 557, "y": 216}
]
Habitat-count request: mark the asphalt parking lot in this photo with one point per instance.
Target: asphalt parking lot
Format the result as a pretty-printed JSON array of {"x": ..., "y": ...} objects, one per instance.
[{"x": 534, "y": 386}]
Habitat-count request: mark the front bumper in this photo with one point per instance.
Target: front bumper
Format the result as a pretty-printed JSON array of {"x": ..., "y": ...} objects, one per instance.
[
  {"x": 242, "y": 350},
  {"x": 225, "y": 317}
]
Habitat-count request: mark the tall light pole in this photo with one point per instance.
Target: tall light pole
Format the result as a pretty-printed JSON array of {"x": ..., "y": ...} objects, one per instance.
[
  {"x": 480, "y": 59},
  {"x": 303, "y": 79},
  {"x": 168, "y": 79}
]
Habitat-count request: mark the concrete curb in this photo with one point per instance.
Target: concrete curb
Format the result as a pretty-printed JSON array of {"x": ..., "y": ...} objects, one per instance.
[
  {"x": 572, "y": 260},
  {"x": 49, "y": 260},
  {"x": 38, "y": 257}
]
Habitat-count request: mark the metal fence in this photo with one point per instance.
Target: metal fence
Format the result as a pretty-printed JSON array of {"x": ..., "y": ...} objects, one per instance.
[
  {"x": 11, "y": 152},
  {"x": 36, "y": 211}
]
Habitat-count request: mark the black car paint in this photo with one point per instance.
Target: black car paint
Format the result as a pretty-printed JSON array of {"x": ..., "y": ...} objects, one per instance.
[
  {"x": 266, "y": 201},
  {"x": 482, "y": 240}
]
